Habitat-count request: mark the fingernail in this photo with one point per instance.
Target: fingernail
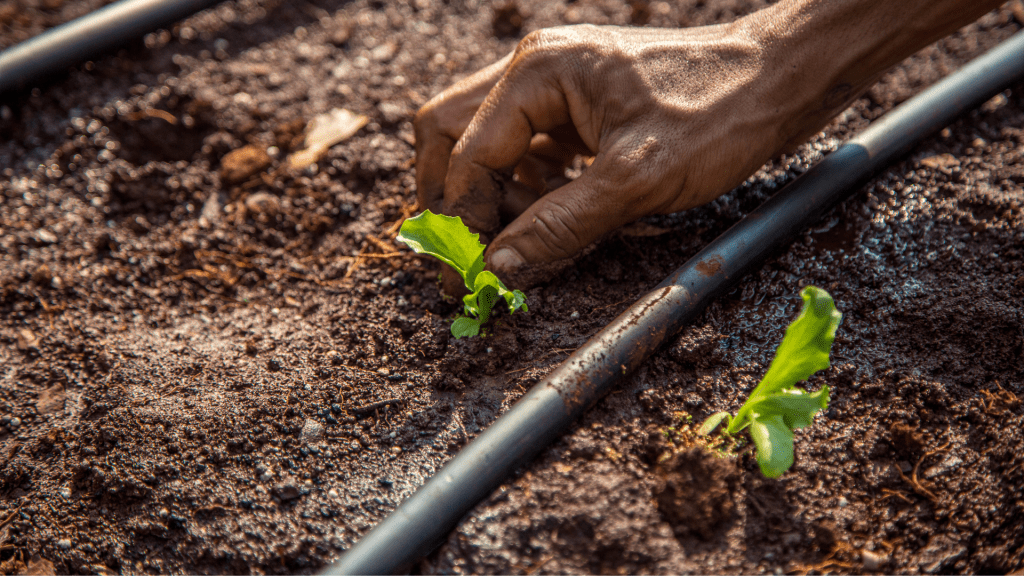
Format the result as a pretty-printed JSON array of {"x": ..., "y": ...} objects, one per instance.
[{"x": 506, "y": 259}]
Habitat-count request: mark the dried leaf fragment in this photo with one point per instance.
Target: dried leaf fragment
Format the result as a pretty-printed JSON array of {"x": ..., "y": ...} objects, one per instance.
[{"x": 325, "y": 131}]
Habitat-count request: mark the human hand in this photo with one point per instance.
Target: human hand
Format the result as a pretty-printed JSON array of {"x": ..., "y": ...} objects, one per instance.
[{"x": 672, "y": 118}]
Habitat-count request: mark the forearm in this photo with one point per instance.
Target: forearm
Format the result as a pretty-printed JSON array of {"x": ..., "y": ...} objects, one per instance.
[{"x": 824, "y": 53}]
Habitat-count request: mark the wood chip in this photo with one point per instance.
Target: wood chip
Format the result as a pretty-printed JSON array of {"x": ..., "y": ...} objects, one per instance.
[
  {"x": 27, "y": 339},
  {"x": 940, "y": 161}
]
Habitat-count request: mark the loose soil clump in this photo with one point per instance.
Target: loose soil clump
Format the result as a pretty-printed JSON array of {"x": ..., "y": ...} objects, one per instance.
[
  {"x": 211, "y": 362},
  {"x": 695, "y": 491}
]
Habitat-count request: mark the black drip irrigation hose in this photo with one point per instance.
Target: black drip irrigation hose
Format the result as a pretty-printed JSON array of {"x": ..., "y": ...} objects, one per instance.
[
  {"x": 92, "y": 35},
  {"x": 550, "y": 407}
]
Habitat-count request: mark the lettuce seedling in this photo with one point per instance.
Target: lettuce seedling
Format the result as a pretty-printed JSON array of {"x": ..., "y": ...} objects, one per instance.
[
  {"x": 450, "y": 241},
  {"x": 776, "y": 407}
]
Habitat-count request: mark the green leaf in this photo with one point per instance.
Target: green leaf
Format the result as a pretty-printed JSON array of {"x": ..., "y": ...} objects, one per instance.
[
  {"x": 776, "y": 406},
  {"x": 480, "y": 303},
  {"x": 447, "y": 239},
  {"x": 805, "y": 347},
  {"x": 465, "y": 326},
  {"x": 804, "y": 350},
  {"x": 774, "y": 442},
  {"x": 797, "y": 407},
  {"x": 712, "y": 422},
  {"x": 516, "y": 301}
]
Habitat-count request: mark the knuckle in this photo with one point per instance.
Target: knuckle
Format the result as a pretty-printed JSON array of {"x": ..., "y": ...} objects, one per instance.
[
  {"x": 426, "y": 118},
  {"x": 574, "y": 52},
  {"x": 640, "y": 173},
  {"x": 557, "y": 227},
  {"x": 640, "y": 156},
  {"x": 542, "y": 47},
  {"x": 535, "y": 40},
  {"x": 618, "y": 170}
]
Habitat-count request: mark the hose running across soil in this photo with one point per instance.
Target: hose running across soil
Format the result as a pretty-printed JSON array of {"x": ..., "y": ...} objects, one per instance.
[
  {"x": 88, "y": 37},
  {"x": 550, "y": 407}
]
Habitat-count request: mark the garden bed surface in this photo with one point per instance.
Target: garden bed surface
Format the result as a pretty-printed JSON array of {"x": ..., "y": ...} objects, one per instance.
[{"x": 211, "y": 376}]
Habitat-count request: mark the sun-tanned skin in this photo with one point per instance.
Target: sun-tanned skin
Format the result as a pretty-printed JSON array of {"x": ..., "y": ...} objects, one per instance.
[{"x": 673, "y": 118}]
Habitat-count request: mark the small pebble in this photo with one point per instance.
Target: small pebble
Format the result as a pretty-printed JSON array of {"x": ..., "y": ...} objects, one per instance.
[
  {"x": 312, "y": 431},
  {"x": 264, "y": 472},
  {"x": 64, "y": 544},
  {"x": 843, "y": 502},
  {"x": 574, "y": 315},
  {"x": 332, "y": 493},
  {"x": 15, "y": 423}
]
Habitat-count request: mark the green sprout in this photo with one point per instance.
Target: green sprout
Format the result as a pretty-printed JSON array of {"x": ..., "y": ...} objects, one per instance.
[
  {"x": 776, "y": 407},
  {"x": 450, "y": 241}
]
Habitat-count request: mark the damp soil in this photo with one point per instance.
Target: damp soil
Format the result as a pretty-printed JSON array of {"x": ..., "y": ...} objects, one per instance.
[{"x": 205, "y": 369}]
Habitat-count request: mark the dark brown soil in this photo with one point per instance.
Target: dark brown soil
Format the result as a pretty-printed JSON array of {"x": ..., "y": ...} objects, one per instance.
[
  {"x": 201, "y": 371},
  {"x": 695, "y": 491}
]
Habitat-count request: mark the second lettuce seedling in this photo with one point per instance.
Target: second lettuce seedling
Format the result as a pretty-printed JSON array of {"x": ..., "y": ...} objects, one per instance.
[
  {"x": 776, "y": 407},
  {"x": 449, "y": 240}
]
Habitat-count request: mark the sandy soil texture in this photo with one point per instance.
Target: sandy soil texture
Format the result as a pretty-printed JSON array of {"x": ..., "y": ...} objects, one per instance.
[{"x": 214, "y": 364}]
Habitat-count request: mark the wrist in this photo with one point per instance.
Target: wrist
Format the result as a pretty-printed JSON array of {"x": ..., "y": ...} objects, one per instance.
[{"x": 820, "y": 55}]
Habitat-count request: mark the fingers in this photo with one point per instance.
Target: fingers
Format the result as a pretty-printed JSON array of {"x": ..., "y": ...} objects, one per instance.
[
  {"x": 520, "y": 105},
  {"x": 431, "y": 167},
  {"x": 518, "y": 197},
  {"x": 440, "y": 123},
  {"x": 552, "y": 232},
  {"x": 543, "y": 168}
]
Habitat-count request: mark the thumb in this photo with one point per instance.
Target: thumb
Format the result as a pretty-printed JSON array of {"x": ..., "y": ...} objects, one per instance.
[{"x": 553, "y": 231}]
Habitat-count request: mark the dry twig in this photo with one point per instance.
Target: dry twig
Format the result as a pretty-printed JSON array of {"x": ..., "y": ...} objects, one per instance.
[{"x": 373, "y": 407}]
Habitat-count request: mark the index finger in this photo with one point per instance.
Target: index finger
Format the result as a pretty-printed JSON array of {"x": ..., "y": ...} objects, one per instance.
[
  {"x": 527, "y": 100},
  {"x": 441, "y": 122}
]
